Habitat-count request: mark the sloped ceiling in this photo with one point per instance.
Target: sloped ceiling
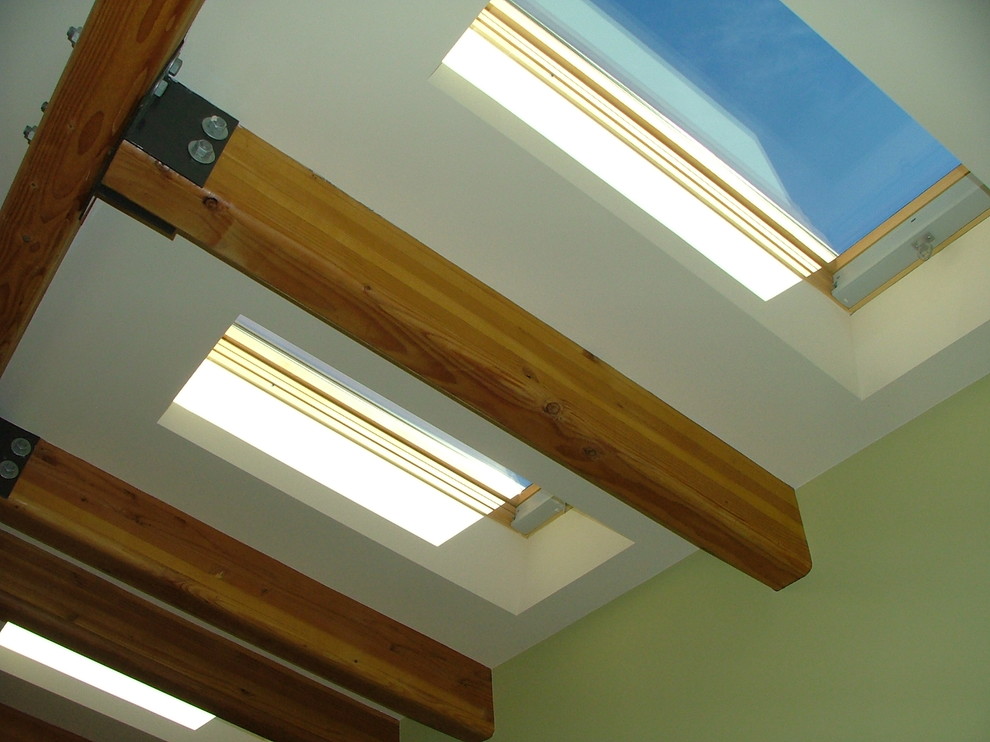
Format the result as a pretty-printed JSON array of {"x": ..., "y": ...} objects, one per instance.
[{"x": 345, "y": 88}]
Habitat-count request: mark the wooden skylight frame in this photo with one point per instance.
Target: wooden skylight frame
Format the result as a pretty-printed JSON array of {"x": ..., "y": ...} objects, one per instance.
[{"x": 387, "y": 433}]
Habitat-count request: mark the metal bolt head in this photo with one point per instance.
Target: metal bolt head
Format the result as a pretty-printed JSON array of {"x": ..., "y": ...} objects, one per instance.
[
  {"x": 20, "y": 447},
  {"x": 73, "y": 34},
  {"x": 9, "y": 470},
  {"x": 44, "y": 106},
  {"x": 29, "y": 132},
  {"x": 215, "y": 127},
  {"x": 160, "y": 87},
  {"x": 202, "y": 151},
  {"x": 173, "y": 68}
]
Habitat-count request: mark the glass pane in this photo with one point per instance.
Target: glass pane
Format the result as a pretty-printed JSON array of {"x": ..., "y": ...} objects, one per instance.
[
  {"x": 468, "y": 460},
  {"x": 758, "y": 87}
]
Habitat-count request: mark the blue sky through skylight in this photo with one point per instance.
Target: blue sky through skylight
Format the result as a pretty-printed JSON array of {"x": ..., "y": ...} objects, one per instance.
[{"x": 762, "y": 90}]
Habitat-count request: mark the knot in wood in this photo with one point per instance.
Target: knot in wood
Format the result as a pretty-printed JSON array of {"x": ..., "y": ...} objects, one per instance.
[
  {"x": 552, "y": 408},
  {"x": 211, "y": 203},
  {"x": 591, "y": 453}
]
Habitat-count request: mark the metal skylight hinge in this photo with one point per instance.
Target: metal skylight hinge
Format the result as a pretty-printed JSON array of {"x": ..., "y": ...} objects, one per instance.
[{"x": 16, "y": 447}]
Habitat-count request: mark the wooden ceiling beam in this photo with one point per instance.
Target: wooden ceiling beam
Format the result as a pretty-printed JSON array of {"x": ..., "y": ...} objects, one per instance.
[
  {"x": 20, "y": 727},
  {"x": 130, "y": 43},
  {"x": 52, "y": 597},
  {"x": 124, "y": 46},
  {"x": 91, "y": 516},
  {"x": 292, "y": 231}
]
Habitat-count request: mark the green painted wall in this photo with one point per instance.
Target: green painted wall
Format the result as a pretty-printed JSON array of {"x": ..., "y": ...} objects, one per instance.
[{"x": 888, "y": 637}]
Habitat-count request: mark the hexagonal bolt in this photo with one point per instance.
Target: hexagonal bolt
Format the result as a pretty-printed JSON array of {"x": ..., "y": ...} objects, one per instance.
[
  {"x": 44, "y": 106},
  {"x": 160, "y": 87},
  {"x": 20, "y": 447},
  {"x": 201, "y": 150},
  {"x": 73, "y": 34},
  {"x": 215, "y": 127},
  {"x": 9, "y": 470},
  {"x": 29, "y": 132},
  {"x": 173, "y": 67}
]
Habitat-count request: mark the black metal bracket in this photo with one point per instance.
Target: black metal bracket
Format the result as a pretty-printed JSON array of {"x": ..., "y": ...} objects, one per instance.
[
  {"x": 136, "y": 211},
  {"x": 181, "y": 129},
  {"x": 16, "y": 447}
]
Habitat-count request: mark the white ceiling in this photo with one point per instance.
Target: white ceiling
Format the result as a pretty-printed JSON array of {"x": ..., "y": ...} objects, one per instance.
[{"x": 345, "y": 88}]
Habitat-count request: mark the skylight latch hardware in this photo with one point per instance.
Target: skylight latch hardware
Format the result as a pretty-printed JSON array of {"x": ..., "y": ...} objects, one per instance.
[
  {"x": 536, "y": 512},
  {"x": 16, "y": 446},
  {"x": 935, "y": 224},
  {"x": 923, "y": 245}
]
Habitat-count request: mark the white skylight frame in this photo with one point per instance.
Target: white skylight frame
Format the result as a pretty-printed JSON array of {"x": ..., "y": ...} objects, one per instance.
[
  {"x": 635, "y": 150},
  {"x": 63, "y": 660},
  {"x": 314, "y": 419}
]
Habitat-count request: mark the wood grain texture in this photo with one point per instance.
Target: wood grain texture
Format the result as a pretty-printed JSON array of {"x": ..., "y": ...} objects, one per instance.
[
  {"x": 123, "y": 47},
  {"x": 284, "y": 226},
  {"x": 85, "y": 513},
  {"x": 52, "y": 597},
  {"x": 20, "y": 727}
]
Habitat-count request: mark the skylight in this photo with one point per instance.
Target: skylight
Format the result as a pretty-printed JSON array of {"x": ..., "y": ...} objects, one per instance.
[
  {"x": 349, "y": 439},
  {"x": 763, "y": 91},
  {"x": 732, "y": 123},
  {"x": 67, "y": 662}
]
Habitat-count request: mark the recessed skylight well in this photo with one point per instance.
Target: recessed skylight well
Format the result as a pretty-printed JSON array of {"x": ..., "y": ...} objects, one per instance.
[
  {"x": 366, "y": 464},
  {"x": 67, "y": 662},
  {"x": 731, "y": 123}
]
